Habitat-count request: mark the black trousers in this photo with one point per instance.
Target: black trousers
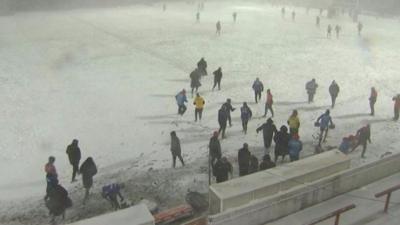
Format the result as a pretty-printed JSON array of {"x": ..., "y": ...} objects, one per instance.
[
  {"x": 310, "y": 97},
  {"x": 174, "y": 160},
  {"x": 217, "y": 82},
  {"x": 257, "y": 95},
  {"x": 198, "y": 113},
  {"x": 75, "y": 169},
  {"x": 181, "y": 109},
  {"x": 268, "y": 107},
  {"x": 396, "y": 114},
  {"x": 244, "y": 125},
  {"x": 333, "y": 100},
  {"x": 222, "y": 128}
]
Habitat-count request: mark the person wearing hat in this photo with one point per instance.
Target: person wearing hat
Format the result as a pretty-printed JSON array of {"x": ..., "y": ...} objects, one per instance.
[
  {"x": 215, "y": 148},
  {"x": 176, "y": 149},
  {"x": 180, "y": 101},
  {"x": 244, "y": 160},
  {"x": 295, "y": 146},
  {"x": 74, "y": 156}
]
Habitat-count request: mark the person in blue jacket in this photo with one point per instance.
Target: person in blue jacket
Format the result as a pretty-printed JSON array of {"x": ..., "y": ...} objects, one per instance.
[
  {"x": 295, "y": 147},
  {"x": 180, "y": 100},
  {"x": 324, "y": 122}
]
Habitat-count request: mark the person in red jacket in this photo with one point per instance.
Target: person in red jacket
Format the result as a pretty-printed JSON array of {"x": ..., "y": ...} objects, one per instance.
[
  {"x": 372, "y": 100},
  {"x": 268, "y": 104},
  {"x": 396, "y": 100}
]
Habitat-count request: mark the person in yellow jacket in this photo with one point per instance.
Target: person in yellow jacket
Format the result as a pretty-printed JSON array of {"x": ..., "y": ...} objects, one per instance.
[
  {"x": 199, "y": 105},
  {"x": 294, "y": 123}
]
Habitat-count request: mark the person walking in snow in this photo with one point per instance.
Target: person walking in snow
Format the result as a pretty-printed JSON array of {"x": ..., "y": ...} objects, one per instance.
[
  {"x": 217, "y": 78},
  {"x": 229, "y": 108},
  {"x": 269, "y": 130},
  {"x": 199, "y": 106},
  {"x": 244, "y": 160},
  {"x": 88, "y": 170},
  {"x": 74, "y": 156},
  {"x": 372, "y": 100},
  {"x": 294, "y": 16},
  {"x": 337, "y": 30},
  {"x": 195, "y": 77},
  {"x": 360, "y": 28},
  {"x": 311, "y": 88},
  {"x": 267, "y": 163},
  {"x": 268, "y": 104},
  {"x": 234, "y": 15},
  {"x": 294, "y": 123},
  {"x": 329, "y": 31},
  {"x": 295, "y": 146},
  {"x": 396, "y": 100},
  {"x": 317, "y": 21},
  {"x": 222, "y": 120},
  {"x": 180, "y": 100},
  {"x": 176, "y": 149},
  {"x": 222, "y": 169},
  {"x": 324, "y": 122},
  {"x": 215, "y": 148},
  {"x": 253, "y": 167},
  {"x": 281, "y": 143},
  {"x": 258, "y": 87},
  {"x": 51, "y": 175},
  {"x": 245, "y": 115},
  {"x": 218, "y": 26},
  {"x": 334, "y": 92},
  {"x": 364, "y": 136},
  {"x": 202, "y": 67}
]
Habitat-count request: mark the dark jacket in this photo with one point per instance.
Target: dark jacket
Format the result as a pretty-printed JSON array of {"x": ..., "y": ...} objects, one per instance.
[
  {"x": 334, "y": 89},
  {"x": 258, "y": 86},
  {"x": 215, "y": 147},
  {"x": 217, "y": 75},
  {"x": 246, "y": 113},
  {"x": 222, "y": 117},
  {"x": 282, "y": 141},
  {"x": 175, "y": 145},
  {"x": 58, "y": 200},
  {"x": 74, "y": 153},
  {"x": 266, "y": 163},
  {"x": 253, "y": 167},
  {"x": 221, "y": 170},
  {"x": 244, "y": 157},
  {"x": 195, "y": 79},
  {"x": 202, "y": 64},
  {"x": 228, "y": 108},
  {"x": 364, "y": 134},
  {"x": 269, "y": 129},
  {"x": 88, "y": 170}
]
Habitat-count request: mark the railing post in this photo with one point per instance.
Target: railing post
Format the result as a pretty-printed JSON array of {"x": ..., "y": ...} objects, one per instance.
[{"x": 387, "y": 202}]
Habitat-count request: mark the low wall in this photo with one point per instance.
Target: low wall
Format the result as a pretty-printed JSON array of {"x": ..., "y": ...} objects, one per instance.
[
  {"x": 240, "y": 191},
  {"x": 268, "y": 209},
  {"x": 135, "y": 215}
]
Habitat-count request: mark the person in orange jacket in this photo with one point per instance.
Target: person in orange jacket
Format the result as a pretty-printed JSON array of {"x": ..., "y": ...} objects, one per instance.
[{"x": 199, "y": 105}]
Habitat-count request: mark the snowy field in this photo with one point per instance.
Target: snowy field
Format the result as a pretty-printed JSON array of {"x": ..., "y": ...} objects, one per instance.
[{"x": 108, "y": 77}]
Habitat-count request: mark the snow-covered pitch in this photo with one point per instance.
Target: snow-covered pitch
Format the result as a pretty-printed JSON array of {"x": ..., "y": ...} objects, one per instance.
[{"x": 108, "y": 77}]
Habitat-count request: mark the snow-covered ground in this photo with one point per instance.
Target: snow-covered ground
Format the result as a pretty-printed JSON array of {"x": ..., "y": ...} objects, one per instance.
[{"x": 108, "y": 77}]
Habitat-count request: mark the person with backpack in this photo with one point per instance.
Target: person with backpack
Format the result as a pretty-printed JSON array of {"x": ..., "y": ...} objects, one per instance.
[
  {"x": 217, "y": 78},
  {"x": 199, "y": 106},
  {"x": 268, "y": 103},
  {"x": 176, "y": 149},
  {"x": 215, "y": 148},
  {"x": 111, "y": 193},
  {"x": 396, "y": 100},
  {"x": 294, "y": 123},
  {"x": 311, "y": 88},
  {"x": 74, "y": 155},
  {"x": 244, "y": 160},
  {"x": 372, "y": 100},
  {"x": 229, "y": 108},
  {"x": 364, "y": 136},
  {"x": 258, "y": 87},
  {"x": 88, "y": 170},
  {"x": 222, "y": 169},
  {"x": 222, "y": 120},
  {"x": 180, "y": 101},
  {"x": 245, "y": 115},
  {"x": 281, "y": 143},
  {"x": 295, "y": 146},
  {"x": 267, "y": 163},
  {"x": 334, "y": 92},
  {"x": 324, "y": 122},
  {"x": 269, "y": 130}
]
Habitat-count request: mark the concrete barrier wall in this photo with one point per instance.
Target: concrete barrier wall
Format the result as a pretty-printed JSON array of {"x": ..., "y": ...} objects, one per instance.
[
  {"x": 268, "y": 209},
  {"x": 240, "y": 191},
  {"x": 135, "y": 215}
]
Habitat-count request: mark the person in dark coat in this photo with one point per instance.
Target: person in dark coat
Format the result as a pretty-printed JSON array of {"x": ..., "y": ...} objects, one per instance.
[
  {"x": 195, "y": 77},
  {"x": 74, "y": 155},
  {"x": 253, "y": 167},
  {"x": 269, "y": 130},
  {"x": 88, "y": 170},
  {"x": 217, "y": 78},
  {"x": 222, "y": 120},
  {"x": 245, "y": 115},
  {"x": 311, "y": 88},
  {"x": 244, "y": 160},
  {"x": 215, "y": 148},
  {"x": 372, "y": 100},
  {"x": 58, "y": 202},
  {"x": 267, "y": 163},
  {"x": 202, "y": 67},
  {"x": 281, "y": 143},
  {"x": 176, "y": 149},
  {"x": 258, "y": 88},
  {"x": 334, "y": 92},
  {"x": 364, "y": 136},
  {"x": 229, "y": 108},
  {"x": 222, "y": 169}
]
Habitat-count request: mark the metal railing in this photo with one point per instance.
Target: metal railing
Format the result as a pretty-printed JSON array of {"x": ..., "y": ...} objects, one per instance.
[
  {"x": 335, "y": 214},
  {"x": 388, "y": 193}
]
